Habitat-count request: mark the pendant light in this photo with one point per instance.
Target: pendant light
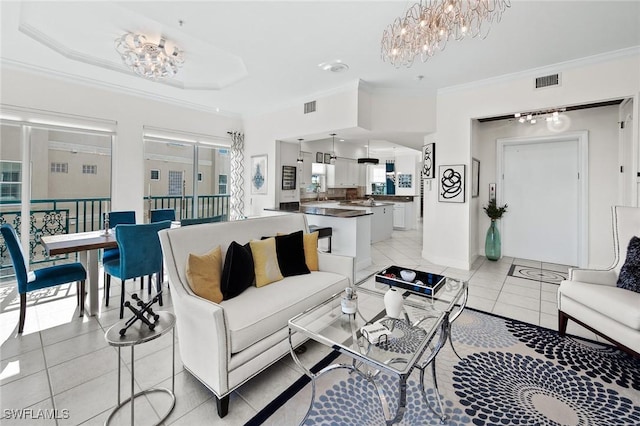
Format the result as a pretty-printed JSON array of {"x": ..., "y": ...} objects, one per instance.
[
  {"x": 332, "y": 157},
  {"x": 368, "y": 160},
  {"x": 300, "y": 157}
]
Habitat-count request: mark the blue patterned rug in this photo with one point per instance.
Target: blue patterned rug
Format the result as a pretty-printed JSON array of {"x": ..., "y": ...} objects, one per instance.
[{"x": 514, "y": 374}]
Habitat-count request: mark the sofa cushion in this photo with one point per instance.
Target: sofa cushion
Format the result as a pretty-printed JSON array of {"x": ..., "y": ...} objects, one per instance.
[
  {"x": 263, "y": 311},
  {"x": 629, "y": 278},
  {"x": 291, "y": 256},
  {"x": 311, "y": 250},
  {"x": 614, "y": 302},
  {"x": 203, "y": 274},
  {"x": 265, "y": 261},
  {"x": 238, "y": 273}
]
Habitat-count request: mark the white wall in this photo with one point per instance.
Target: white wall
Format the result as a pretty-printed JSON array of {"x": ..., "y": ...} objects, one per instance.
[
  {"x": 602, "y": 125},
  {"x": 448, "y": 226},
  {"x": 333, "y": 112},
  {"x": 28, "y": 90}
]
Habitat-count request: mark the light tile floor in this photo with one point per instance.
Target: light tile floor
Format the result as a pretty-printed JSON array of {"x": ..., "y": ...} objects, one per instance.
[{"x": 63, "y": 362}]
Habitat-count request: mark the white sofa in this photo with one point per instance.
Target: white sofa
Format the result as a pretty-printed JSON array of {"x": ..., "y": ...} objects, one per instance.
[
  {"x": 591, "y": 298},
  {"x": 224, "y": 345}
]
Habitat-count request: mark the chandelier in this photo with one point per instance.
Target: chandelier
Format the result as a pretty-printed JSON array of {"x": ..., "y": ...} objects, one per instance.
[
  {"x": 147, "y": 59},
  {"x": 429, "y": 24}
]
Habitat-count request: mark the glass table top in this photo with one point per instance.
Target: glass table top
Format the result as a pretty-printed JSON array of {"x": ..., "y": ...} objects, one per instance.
[{"x": 408, "y": 338}]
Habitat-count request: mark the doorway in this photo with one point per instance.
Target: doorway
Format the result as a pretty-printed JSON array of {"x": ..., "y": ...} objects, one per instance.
[{"x": 544, "y": 182}]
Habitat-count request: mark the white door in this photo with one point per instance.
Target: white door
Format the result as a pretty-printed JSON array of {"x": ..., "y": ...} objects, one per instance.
[{"x": 542, "y": 188}]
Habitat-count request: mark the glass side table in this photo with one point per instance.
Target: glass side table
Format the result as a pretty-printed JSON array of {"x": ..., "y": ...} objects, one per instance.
[{"x": 138, "y": 334}]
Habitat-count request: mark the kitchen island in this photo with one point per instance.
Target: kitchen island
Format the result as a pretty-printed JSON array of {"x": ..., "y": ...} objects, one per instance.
[{"x": 351, "y": 229}]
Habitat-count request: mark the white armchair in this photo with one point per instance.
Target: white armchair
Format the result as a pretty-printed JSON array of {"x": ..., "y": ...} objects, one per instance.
[{"x": 591, "y": 298}]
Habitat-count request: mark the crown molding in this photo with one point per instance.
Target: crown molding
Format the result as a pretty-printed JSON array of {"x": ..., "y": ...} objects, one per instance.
[
  {"x": 74, "y": 55},
  {"x": 78, "y": 79},
  {"x": 549, "y": 69}
]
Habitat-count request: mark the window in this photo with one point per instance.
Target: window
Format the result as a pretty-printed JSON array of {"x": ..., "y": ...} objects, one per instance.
[
  {"x": 175, "y": 182},
  {"x": 222, "y": 184},
  {"x": 155, "y": 174},
  {"x": 59, "y": 167},
  {"x": 89, "y": 169},
  {"x": 199, "y": 176},
  {"x": 10, "y": 178}
]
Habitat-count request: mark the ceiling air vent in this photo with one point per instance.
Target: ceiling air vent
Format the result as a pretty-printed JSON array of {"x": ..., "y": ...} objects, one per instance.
[
  {"x": 548, "y": 80},
  {"x": 310, "y": 107}
]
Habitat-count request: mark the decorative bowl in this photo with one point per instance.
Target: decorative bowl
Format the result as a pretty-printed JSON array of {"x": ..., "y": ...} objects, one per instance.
[{"x": 408, "y": 275}]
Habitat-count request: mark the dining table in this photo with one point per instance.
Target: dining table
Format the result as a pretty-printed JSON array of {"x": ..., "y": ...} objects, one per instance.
[{"x": 87, "y": 245}]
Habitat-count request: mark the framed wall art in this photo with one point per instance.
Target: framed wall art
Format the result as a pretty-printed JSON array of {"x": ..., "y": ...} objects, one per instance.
[
  {"x": 451, "y": 183},
  {"x": 475, "y": 177},
  {"x": 259, "y": 174},
  {"x": 319, "y": 157},
  {"x": 428, "y": 161},
  {"x": 327, "y": 158}
]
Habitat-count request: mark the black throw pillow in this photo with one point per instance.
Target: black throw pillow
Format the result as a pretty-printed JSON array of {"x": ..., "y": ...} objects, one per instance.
[
  {"x": 238, "y": 273},
  {"x": 629, "y": 278},
  {"x": 290, "y": 252}
]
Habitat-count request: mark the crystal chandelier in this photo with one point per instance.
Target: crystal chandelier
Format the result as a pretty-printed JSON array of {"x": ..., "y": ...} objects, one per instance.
[
  {"x": 147, "y": 59},
  {"x": 429, "y": 24}
]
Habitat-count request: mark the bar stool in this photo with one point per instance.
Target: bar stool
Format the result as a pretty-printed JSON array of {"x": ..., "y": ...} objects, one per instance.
[{"x": 323, "y": 232}]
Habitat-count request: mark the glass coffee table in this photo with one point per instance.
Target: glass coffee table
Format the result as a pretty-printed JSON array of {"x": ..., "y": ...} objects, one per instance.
[{"x": 413, "y": 341}]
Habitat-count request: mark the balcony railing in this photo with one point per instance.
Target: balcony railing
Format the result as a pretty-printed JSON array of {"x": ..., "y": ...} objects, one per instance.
[{"x": 64, "y": 216}]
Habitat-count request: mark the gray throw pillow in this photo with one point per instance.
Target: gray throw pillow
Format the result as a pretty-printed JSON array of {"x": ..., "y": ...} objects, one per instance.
[{"x": 629, "y": 278}]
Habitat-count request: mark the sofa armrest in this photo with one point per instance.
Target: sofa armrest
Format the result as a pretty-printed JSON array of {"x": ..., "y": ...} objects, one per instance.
[
  {"x": 594, "y": 276},
  {"x": 204, "y": 346},
  {"x": 343, "y": 265}
]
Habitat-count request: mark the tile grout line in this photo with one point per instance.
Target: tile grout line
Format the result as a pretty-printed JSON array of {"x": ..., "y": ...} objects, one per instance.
[{"x": 46, "y": 369}]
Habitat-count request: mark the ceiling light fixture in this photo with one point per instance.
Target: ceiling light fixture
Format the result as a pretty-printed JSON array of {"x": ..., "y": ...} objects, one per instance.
[
  {"x": 332, "y": 157},
  {"x": 429, "y": 24},
  {"x": 368, "y": 160},
  {"x": 300, "y": 157},
  {"x": 551, "y": 115},
  {"x": 149, "y": 60},
  {"x": 334, "y": 66}
]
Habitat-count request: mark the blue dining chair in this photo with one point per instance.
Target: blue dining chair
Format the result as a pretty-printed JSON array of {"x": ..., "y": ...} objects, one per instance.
[
  {"x": 115, "y": 218},
  {"x": 41, "y": 278},
  {"x": 140, "y": 255},
  {"x": 158, "y": 215}
]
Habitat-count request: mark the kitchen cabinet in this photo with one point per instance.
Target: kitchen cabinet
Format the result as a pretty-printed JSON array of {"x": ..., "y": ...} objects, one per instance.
[
  {"x": 403, "y": 215},
  {"x": 381, "y": 223},
  {"x": 343, "y": 174},
  {"x": 398, "y": 216}
]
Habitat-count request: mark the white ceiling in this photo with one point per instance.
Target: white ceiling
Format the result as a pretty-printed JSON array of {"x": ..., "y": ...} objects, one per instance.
[{"x": 244, "y": 57}]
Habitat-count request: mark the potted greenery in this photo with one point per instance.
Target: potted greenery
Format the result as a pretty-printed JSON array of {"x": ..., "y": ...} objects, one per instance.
[{"x": 492, "y": 244}]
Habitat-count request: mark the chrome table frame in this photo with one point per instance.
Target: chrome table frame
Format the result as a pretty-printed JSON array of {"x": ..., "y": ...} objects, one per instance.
[{"x": 369, "y": 368}]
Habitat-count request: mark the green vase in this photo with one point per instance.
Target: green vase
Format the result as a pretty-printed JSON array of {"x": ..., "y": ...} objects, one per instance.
[{"x": 492, "y": 245}]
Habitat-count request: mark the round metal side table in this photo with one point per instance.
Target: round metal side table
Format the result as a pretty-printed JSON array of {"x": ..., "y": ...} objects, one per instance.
[{"x": 138, "y": 334}]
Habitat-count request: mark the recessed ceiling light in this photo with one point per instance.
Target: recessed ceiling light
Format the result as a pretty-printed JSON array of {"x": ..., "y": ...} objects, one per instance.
[{"x": 334, "y": 66}]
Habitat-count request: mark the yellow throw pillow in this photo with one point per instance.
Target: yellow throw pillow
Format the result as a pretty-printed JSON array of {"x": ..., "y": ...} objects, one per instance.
[
  {"x": 203, "y": 274},
  {"x": 265, "y": 261},
  {"x": 311, "y": 250}
]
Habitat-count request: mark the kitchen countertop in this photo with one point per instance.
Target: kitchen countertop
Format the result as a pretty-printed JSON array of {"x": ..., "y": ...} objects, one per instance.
[{"x": 324, "y": 211}]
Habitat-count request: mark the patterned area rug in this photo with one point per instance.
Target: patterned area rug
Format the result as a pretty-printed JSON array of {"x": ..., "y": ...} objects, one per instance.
[
  {"x": 537, "y": 274},
  {"x": 512, "y": 373}
]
